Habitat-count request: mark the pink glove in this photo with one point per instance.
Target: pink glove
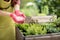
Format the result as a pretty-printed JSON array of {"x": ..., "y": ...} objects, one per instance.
[{"x": 18, "y": 16}]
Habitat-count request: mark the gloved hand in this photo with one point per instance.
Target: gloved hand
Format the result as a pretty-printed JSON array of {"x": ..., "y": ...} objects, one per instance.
[{"x": 18, "y": 17}]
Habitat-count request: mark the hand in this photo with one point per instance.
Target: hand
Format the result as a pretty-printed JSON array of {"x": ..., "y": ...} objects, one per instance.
[{"x": 18, "y": 17}]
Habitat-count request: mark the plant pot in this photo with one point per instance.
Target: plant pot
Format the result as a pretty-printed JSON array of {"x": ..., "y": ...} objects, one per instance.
[{"x": 52, "y": 36}]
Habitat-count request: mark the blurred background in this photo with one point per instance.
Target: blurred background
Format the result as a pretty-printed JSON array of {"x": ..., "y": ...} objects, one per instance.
[{"x": 41, "y": 7}]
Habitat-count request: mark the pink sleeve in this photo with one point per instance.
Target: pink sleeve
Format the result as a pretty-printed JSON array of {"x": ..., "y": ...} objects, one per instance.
[{"x": 18, "y": 2}]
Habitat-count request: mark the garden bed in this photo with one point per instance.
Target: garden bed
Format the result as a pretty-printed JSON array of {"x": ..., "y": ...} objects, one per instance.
[
  {"x": 35, "y": 31},
  {"x": 52, "y": 36}
]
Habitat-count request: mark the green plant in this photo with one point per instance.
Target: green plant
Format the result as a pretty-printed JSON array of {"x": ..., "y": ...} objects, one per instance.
[
  {"x": 38, "y": 29},
  {"x": 51, "y": 27},
  {"x": 23, "y": 27},
  {"x": 57, "y": 22}
]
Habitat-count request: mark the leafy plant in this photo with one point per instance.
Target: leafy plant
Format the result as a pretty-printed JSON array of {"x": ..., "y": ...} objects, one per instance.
[
  {"x": 22, "y": 27},
  {"x": 38, "y": 29},
  {"x": 58, "y": 22}
]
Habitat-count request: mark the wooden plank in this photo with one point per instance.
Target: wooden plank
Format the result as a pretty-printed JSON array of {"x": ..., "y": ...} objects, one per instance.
[
  {"x": 42, "y": 19},
  {"x": 45, "y": 37}
]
